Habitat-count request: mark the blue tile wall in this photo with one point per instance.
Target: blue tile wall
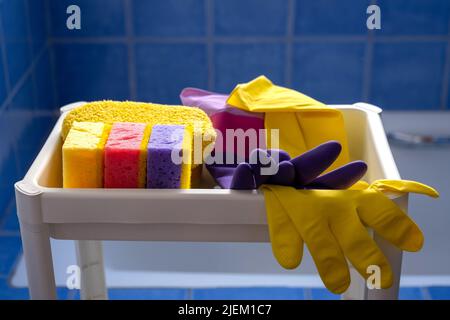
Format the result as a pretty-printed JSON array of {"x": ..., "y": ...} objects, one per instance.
[
  {"x": 250, "y": 18},
  {"x": 3, "y": 90},
  {"x": 38, "y": 25},
  {"x": 320, "y": 47},
  {"x": 413, "y": 82},
  {"x": 26, "y": 95},
  {"x": 415, "y": 17},
  {"x": 237, "y": 63},
  {"x": 8, "y": 257},
  {"x": 99, "y": 18},
  {"x": 169, "y": 18},
  {"x": 331, "y": 17},
  {"x": 23, "y": 100},
  {"x": 91, "y": 71},
  {"x": 341, "y": 68},
  {"x": 44, "y": 89},
  {"x": 160, "y": 80}
]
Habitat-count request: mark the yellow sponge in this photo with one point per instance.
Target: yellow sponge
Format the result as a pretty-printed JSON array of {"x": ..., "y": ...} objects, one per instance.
[
  {"x": 82, "y": 154},
  {"x": 126, "y": 111}
]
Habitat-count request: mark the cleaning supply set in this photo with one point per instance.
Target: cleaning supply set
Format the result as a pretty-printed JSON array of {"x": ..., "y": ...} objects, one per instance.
[{"x": 315, "y": 195}]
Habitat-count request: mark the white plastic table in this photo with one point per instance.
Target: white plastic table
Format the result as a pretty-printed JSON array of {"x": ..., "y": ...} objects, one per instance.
[{"x": 46, "y": 210}]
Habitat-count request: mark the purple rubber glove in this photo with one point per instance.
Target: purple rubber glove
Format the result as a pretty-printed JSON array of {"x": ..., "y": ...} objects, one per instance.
[
  {"x": 302, "y": 172},
  {"x": 341, "y": 178}
]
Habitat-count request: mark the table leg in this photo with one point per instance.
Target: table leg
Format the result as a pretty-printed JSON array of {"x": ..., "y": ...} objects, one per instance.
[
  {"x": 90, "y": 260},
  {"x": 36, "y": 243}
]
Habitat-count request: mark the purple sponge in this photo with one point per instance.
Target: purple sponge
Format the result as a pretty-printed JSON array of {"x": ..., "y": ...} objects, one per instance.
[{"x": 162, "y": 172}]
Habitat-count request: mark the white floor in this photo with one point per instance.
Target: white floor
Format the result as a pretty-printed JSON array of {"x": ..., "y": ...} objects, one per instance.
[{"x": 138, "y": 264}]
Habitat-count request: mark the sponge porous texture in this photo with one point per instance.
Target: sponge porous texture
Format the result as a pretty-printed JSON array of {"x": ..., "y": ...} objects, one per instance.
[
  {"x": 82, "y": 154},
  {"x": 125, "y": 155},
  {"x": 169, "y": 157}
]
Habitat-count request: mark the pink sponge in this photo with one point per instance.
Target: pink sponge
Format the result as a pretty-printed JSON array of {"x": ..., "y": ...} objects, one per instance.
[{"x": 125, "y": 156}]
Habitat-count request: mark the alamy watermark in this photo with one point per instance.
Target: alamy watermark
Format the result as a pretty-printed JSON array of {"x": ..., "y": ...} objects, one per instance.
[
  {"x": 374, "y": 20},
  {"x": 73, "y": 21},
  {"x": 73, "y": 280},
  {"x": 229, "y": 149},
  {"x": 374, "y": 279}
]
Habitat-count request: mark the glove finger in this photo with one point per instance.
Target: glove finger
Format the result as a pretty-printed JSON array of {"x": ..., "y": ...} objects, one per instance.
[
  {"x": 359, "y": 185},
  {"x": 287, "y": 245},
  {"x": 312, "y": 163},
  {"x": 243, "y": 177},
  {"x": 279, "y": 155},
  {"x": 285, "y": 175},
  {"x": 404, "y": 186},
  {"x": 340, "y": 178},
  {"x": 261, "y": 163},
  {"x": 327, "y": 256},
  {"x": 360, "y": 249},
  {"x": 389, "y": 221},
  {"x": 222, "y": 175}
]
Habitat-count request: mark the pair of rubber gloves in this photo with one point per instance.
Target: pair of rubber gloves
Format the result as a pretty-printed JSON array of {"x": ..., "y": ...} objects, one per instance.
[{"x": 332, "y": 223}]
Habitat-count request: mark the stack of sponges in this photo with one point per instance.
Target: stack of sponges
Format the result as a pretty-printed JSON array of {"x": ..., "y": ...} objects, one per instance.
[{"x": 133, "y": 145}]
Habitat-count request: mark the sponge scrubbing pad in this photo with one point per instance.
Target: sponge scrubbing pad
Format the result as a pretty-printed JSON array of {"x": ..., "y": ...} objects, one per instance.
[
  {"x": 169, "y": 157},
  {"x": 125, "y": 155},
  {"x": 83, "y": 155}
]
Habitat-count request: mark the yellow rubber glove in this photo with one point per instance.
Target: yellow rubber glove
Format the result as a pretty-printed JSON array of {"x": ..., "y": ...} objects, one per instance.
[
  {"x": 333, "y": 224},
  {"x": 303, "y": 122}
]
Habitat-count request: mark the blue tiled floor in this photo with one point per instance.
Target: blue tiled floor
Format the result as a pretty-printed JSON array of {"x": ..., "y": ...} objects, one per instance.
[
  {"x": 323, "y": 294},
  {"x": 249, "y": 293},
  {"x": 148, "y": 294},
  {"x": 439, "y": 293},
  {"x": 411, "y": 293}
]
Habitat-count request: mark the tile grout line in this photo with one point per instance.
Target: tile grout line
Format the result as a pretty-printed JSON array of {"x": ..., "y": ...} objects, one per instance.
[
  {"x": 22, "y": 79},
  {"x": 189, "y": 294},
  {"x": 9, "y": 234},
  {"x": 368, "y": 63},
  {"x": 209, "y": 11},
  {"x": 31, "y": 50},
  {"x": 128, "y": 6},
  {"x": 425, "y": 293},
  {"x": 289, "y": 43},
  {"x": 4, "y": 59},
  {"x": 6, "y": 212},
  {"x": 445, "y": 79},
  {"x": 307, "y": 294},
  {"x": 51, "y": 52},
  {"x": 246, "y": 39}
]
